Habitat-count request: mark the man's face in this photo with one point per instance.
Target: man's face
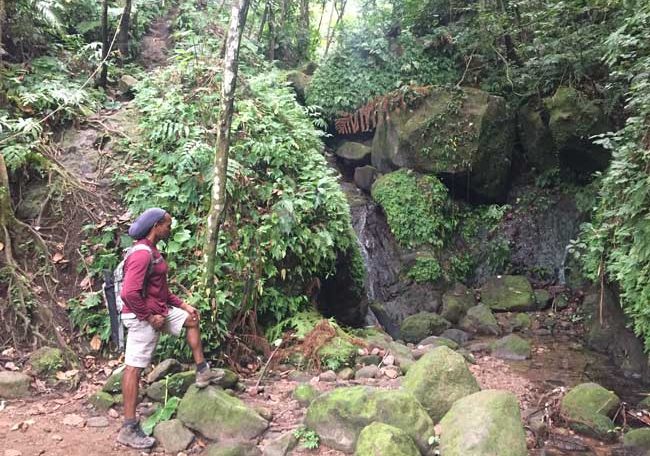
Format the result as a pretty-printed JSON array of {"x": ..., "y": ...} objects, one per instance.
[{"x": 164, "y": 227}]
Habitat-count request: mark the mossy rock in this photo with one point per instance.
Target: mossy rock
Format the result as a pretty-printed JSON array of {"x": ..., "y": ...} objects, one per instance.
[
  {"x": 173, "y": 436},
  {"x": 520, "y": 322},
  {"x": 353, "y": 151},
  {"x": 299, "y": 81},
  {"x": 385, "y": 440},
  {"x": 46, "y": 361},
  {"x": 218, "y": 415},
  {"x": 486, "y": 423},
  {"x": 511, "y": 347},
  {"x": 233, "y": 449},
  {"x": 421, "y": 325},
  {"x": 480, "y": 320},
  {"x": 114, "y": 383},
  {"x": 587, "y": 408},
  {"x": 339, "y": 416},
  {"x": 637, "y": 438},
  {"x": 304, "y": 394},
  {"x": 101, "y": 400},
  {"x": 337, "y": 352},
  {"x": 543, "y": 299},
  {"x": 508, "y": 293},
  {"x": 439, "y": 341},
  {"x": 536, "y": 138},
  {"x": 176, "y": 385},
  {"x": 456, "y": 302},
  {"x": 644, "y": 404},
  {"x": 438, "y": 379},
  {"x": 164, "y": 368}
]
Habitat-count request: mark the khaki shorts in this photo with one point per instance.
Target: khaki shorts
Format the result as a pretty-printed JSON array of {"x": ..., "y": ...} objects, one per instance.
[{"x": 141, "y": 338}]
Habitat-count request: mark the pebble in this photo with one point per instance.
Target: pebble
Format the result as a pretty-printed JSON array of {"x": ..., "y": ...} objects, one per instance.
[
  {"x": 389, "y": 360},
  {"x": 113, "y": 413},
  {"x": 97, "y": 422},
  {"x": 374, "y": 351},
  {"x": 74, "y": 420},
  {"x": 57, "y": 438},
  {"x": 391, "y": 373}
]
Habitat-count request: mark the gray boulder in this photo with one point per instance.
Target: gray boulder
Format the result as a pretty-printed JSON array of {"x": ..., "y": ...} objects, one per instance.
[
  {"x": 365, "y": 176},
  {"x": 457, "y": 335},
  {"x": 164, "y": 368},
  {"x": 421, "y": 325},
  {"x": 233, "y": 449},
  {"x": 487, "y": 423},
  {"x": 114, "y": 382},
  {"x": 438, "y": 379},
  {"x": 456, "y": 302},
  {"x": 480, "y": 320},
  {"x": 176, "y": 385},
  {"x": 14, "y": 385},
  {"x": 281, "y": 446},
  {"x": 588, "y": 407},
  {"x": 173, "y": 436},
  {"x": 511, "y": 347},
  {"x": 508, "y": 293},
  {"x": 353, "y": 152}
]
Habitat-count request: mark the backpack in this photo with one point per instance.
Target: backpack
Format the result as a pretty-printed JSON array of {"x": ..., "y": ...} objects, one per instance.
[{"x": 113, "y": 281}]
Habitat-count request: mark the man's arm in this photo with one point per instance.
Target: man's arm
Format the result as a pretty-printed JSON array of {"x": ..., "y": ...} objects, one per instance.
[
  {"x": 135, "y": 271},
  {"x": 174, "y": 300}
]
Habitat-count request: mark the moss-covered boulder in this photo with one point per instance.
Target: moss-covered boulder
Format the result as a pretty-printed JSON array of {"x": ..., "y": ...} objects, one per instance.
[
  {"x": 511, "y": 347},
  {"x": 519, "y": 322},
  {"x": 46, "y": 360},
  {"x": 101, "y": 400},
  {"x": 339, "y": 416},
  {"x": 299, "y": 81},
  {"x": 304, "y": 394},
  {"x": 14, "y": 385},
  {"x": 164, "y": 368},
  {"x": 439, "y": 341},
  {"x": 438, "y": 379},
  {"x": 540, "y": 150},
  {"x": 233, "y": 449},
  {"x": 353, "y": 152},
  {"x": 587, "y": 408},
  {"x": 114, "y": 382},
  {"x": 218, "y": 415},
  {"x": 543, "y": 298},
  {"x": 480, "y": 320},
  {"x": 451, "y": 132},
  {"x": 637, "y": 438},
  {"x": 573, "y": 118},
  {"x": 421, "y": 325},
  {"x": 508, "y": 293},
  {"x": 456, "y": 302},
  {"x": 175, "y": 385},
  {"x": 365, "y": 176},
  {"x": 379, "y": 439},
  {"x": 486, "y": 423}
]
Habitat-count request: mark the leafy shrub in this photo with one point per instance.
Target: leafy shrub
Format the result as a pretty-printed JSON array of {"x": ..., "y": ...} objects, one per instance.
[{"x": 426, "y": 269}]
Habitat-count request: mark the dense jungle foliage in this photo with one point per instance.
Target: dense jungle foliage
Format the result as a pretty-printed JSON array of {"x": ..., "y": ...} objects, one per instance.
[{"x": 287, "y": 221}]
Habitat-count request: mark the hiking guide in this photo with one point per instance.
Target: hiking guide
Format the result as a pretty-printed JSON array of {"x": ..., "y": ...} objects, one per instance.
[{"x": 149, "y": 308}]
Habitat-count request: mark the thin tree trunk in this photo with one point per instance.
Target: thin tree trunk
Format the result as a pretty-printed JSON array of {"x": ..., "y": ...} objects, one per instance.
[
  {"x": 218, "y": 204},
  {"x": 303, "y": 31},
  {"x": 2, "y": 23},
  {"x": 104, "y": 73},
  {"x": 322, "y": 13},
  {"x": 338, "y": 20},
  {"x": 272, "y": 29},
  {"x": 329, "y": 28},
  {"x": 262, "y": 23},
  {"x": 123, "y": 38}
]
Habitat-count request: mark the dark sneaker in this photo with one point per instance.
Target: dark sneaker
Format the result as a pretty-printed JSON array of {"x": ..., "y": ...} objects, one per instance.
[
  {"x": 134, "y": 437},
  {"x": 208, "y": 376}
]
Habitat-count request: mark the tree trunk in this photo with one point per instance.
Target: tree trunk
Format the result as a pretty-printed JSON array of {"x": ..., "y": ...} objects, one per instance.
[
  {"x": 338, "y": 21},
  {"x": 104, "y": 73},
  {"x": 262, "y": 23},
  {"x": 218, "y": 204},
  {"x": 322, "y": 13},
  {"x": 2, "y": 29},
  {"x": 272, "y": 29},
  {"x": 123, "y": 38},
  {"x": 303, "y": 31},
  {"x": 330, "y": 30}
]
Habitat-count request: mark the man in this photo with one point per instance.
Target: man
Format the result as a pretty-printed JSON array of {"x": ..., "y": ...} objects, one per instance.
[{"x": 149, "y": 307}]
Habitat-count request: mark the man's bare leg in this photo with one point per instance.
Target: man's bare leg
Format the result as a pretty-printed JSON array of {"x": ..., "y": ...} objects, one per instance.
[{"x": 204, "y": 375}]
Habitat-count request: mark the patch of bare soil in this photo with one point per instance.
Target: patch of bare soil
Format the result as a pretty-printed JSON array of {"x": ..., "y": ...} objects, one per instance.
[{"x": 156, "y": 42}]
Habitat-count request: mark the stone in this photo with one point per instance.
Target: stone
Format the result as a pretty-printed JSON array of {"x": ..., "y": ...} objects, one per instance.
[
  {"x": 101, "y": 400},
  {"x": 339, "y": 416},
  {"x": 233, "y": 449},
  {"x": 403, "y": 356},
  {"x": 304, "y": 394},
  {"x": 543, "y": 299},
  {"x": 484, "y": 423},
  {"x": 421, "y": 325},
  {"x": 540, "y": 150},
  {"x": 368, "y": 360},
  {"x": 637, "y": 438},
  {"x": 164, "y": 368},
  {"x": 457, "y": 335},
  {"x": 367, "y": 372},
  {"x": 14, "y": 385},
  {"x": 511, "y": 347},
  {"x": 299, "y": 81},
  {"x": 439, "y": 341},
  {"x": 114, "y": 383},
  {"x": 173, "y": 436},
  {"x": 236, "y": 420},
  {"x": 127, "y": 83},
  {"x": 480, "y": 320},
  {"x": 97, "y": 422},
  {"x": 11, "y": 452},
  {"x": 385, "y": 440},
  {"x": 281, "y": 446},
  {"x": 346, "y": 373},
  {"x": 451, "y": 132},
  {"x": 644, "y": 404},
  {"x": 353, "y": 152},
  {"x": 389, "y": 360},
  {"x": 587, "y": 408},
  {"x": 175, "y": 385},
  {"x": 46, "y": 361},
  {"x": 74, "y": 420},
  {"x": 365, "y": 176},
  {"x": 391, "y": 371},
  {"x": 438, "y": 379},
  {"x": 328, "y": 376},
  {"x": 560, "y": 302},
  {"x": 229, "y": 380},
  {"x": 508, "y": 293},
  {"x": 469, "y": 357},
  {"x": 520, "y": 322},
  {"x": 456, "y": 302}
]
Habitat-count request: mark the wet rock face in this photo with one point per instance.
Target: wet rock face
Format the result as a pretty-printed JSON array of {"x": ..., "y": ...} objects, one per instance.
[
  {"x": 587, "y": 408},
  {"x": 484, "y": 423},
  {"x": 471, "y": 123}
]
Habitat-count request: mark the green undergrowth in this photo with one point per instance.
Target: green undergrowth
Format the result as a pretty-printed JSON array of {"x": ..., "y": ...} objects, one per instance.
[{"x": 287, "y": 220}]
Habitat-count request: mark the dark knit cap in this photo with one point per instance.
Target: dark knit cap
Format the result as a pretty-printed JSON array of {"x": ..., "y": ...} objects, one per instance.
[{"x": 145, "y": 222}]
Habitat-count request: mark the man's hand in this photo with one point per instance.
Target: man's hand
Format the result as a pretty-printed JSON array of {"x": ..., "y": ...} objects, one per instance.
[
  {"x": 194, "y": 314},
  {"x": 157, "y": 321}
]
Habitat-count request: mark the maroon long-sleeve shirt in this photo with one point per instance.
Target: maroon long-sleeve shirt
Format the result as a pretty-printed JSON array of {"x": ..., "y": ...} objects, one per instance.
[{"x": 159, "y": 298}]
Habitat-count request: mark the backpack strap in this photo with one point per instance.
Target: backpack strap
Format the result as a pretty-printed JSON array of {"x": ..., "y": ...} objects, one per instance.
[{"x": 152, "y": 262}]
